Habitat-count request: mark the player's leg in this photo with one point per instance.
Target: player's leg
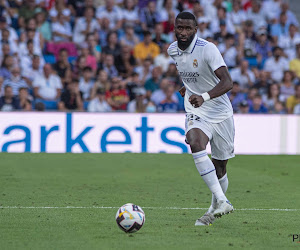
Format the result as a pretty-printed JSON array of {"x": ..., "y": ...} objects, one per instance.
[
  {"x": 198, "y": 141},
  {"x": 221, "y": 172}
]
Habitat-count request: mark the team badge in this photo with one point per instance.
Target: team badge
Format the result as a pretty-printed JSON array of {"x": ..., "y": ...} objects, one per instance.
[{"x": 195, "y": 63}]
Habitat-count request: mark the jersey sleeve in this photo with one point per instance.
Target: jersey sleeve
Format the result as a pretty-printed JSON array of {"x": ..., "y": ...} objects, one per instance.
[{"x": 213, "y": 57}]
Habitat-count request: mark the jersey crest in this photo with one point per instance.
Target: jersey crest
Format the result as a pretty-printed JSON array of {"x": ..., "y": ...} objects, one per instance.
[{"x": 195, "y": 63}]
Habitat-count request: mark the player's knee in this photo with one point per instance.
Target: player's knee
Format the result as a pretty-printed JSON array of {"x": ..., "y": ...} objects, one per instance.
[{"x": 196, "y": 145}]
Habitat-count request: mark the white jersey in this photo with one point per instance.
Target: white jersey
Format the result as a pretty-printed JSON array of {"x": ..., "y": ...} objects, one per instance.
[{"x": 196, "y": 66}]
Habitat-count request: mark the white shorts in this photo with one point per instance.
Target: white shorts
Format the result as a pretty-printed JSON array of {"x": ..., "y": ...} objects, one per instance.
[{"x": 221, "y": 135}]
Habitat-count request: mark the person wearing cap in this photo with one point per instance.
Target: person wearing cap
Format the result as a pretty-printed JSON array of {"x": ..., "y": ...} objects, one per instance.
[
  {"x": 146, "y": 48},
  {"x": 99, "y": 104},
  {"x": 263, "y": 46},
  {"x": 140, "y": 102},
  {"x": 203, "y": 31},
  {"x": 243, "y": 107},
  {"x": 295, "y": 63}
]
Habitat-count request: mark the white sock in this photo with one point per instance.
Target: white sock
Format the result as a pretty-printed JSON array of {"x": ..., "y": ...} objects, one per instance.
[
  {"x": 224, "y": 185},
  {"x": 207, "y": 170}
]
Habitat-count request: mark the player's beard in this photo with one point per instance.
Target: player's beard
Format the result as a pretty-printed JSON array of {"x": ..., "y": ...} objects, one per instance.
[{"x": 184, "y": 44}]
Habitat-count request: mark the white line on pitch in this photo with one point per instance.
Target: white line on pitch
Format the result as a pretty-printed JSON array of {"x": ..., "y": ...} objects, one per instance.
[{"x": 166, "y": 208}]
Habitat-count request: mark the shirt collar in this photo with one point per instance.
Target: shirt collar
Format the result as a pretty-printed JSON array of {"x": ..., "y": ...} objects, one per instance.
[{"x": 190, "y": 48}]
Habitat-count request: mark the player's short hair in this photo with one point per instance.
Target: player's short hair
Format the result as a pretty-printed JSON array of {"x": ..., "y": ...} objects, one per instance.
[{"x": 187, "y": 16}]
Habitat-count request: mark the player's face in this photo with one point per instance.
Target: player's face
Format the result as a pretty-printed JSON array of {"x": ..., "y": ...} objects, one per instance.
[{"x": 185, "y": 30}]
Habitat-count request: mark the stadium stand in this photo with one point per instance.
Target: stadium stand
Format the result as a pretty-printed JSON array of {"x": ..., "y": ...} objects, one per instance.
[{"x": 113, "y": 52}]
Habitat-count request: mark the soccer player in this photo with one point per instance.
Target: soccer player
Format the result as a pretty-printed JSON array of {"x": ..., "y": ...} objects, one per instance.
[{"x": 209, "y": 115}]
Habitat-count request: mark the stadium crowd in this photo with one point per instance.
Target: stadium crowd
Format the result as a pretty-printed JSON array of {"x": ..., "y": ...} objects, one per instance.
[{"x": 111, "y": 55}]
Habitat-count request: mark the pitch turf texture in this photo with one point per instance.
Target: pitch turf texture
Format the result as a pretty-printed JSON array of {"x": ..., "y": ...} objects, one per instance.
[{"x": 160, "y": 181}]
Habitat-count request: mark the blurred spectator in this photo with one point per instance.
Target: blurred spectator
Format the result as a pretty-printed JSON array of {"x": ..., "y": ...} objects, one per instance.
[
  {"x": 15, "y": 81},
  {"x": 146, "y": 49},
  {"x": 257, "y": 15},
  {"x": 280, "y": 28},
  {"x": 125, "y": 62},
  {"x": 48, "y": 85},
  {"x": 112, "y": 12},
  {"x": 160, "y": 94},
  {"x": 168, "y": 105},
  {"x": 117, "y": 97},
  {"x": 294, "y": 100},
  {"x": 219, "y": 36},
  {"x": 63, "y": 67},
  {"x": 6, "y": 66},
  {"x": 228, "y": 51},
  {"x": 172, "y": 74},
  {"x": 130, "y": 13},
  {"x": 139, "y": 103},
  {"x": 276, "y": 64},
  {"x": 247, "y": 40},
  {"x": 237, "y": 16},
  {"x": 113, "y": 47},
  {"x": 85, "y": 25},
  {"x": 221, "y": 23},
  {"x": 257, "y": 107},
  {"x": 163, "y": 59},
  {"x": 287, "y": 87},
  {"x": 243, "y": 107},
  {"x": 71, "y": 98},
  {"x": 80, "y": 64},
  {"x": 149, "y": 16},
  {"x": 291, "y": 17},
  {"x": 169, "y": 25},
  {"x": 168, "y": 6},
  {"x": 101, "y": 82},
  {"x": 13, "y": 37},
  {"x": 86, "y": 83},
  {"x": 94, "y": 47},
  {"x": 99, "y": 104},
  {"x": 288, "y": 42},
  {"x": 43, "y": 26},
  {"x": 61, "y": 29},
  {"x": 90, "y": 60},
  {"x": 27, "y": 9},
  {"x": 262, "y": 82},
  {"x": 39, "y": 106},
  {"x": 109, "y": 66},
  {"x": 152, "y": 83},
  {"x": 24, "y": 99},
  {"x": 236, "y": 97},
  {"x": 8, "y": 102},
  {"x": 159, "y": 37},
  {"x": 203, "y": 31},
  {"x": 150, "y": 107},
  {"x": 295, "y": 63},
  {"x": 272, "y": 97},
  {"x": 133, "y": 83},
  {"x": 33, "y": 70},
  {"x": 243, "y": 76},
  {"x": 144, "y": 71},
  {"x": 129, "y": 38},
  {"x": 278, "y": 108},
  {"x": 263, "y": 46}
]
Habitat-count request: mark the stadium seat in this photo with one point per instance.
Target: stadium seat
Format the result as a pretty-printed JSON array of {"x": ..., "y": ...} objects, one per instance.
[
  {"x": 50, "y": 58},
  {"x": 49, "y": 105},
  {"x": 252, "y": 61},
  {"x": 85, "y": 105},
  {"x": 72, "y": 58}
]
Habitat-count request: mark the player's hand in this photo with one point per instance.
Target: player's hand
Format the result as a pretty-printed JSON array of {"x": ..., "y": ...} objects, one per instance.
[
  {"x": 182, "y": 91},
  {"x": 196, "y": 100}
]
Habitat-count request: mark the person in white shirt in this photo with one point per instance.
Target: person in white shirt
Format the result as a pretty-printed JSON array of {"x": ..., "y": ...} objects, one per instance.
[
  {"x": 85, "y": 25},
  {"x": 47, "y": 86},
  {"x": 86, "y": 83},
  {"x": 112, "y": 12},
  {"x": 243, "y": 75},
  {"x": 276, "y": 64},
  {"x": 163, "y": 59},
  {"x": 61, "y": 30},
  {"x": 203, "y": 31},
  {"x": 99, "y": 104},
  {"x": 288, "y": 42},
  {"x": 229, "y": 51},
  {"x": 257, "y": 15},
  {"x": 209, "y": 112}
]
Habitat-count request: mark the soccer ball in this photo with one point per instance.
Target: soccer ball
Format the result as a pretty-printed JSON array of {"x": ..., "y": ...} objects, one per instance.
[{"x": 130, "y": 218}]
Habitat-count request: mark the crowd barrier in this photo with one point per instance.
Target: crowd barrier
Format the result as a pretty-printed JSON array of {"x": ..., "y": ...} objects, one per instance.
[{"x": 56, "y": 132}]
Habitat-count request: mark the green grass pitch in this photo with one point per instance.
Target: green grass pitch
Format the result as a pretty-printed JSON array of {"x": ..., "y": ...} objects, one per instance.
[{"x": 156, "y": 182}]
